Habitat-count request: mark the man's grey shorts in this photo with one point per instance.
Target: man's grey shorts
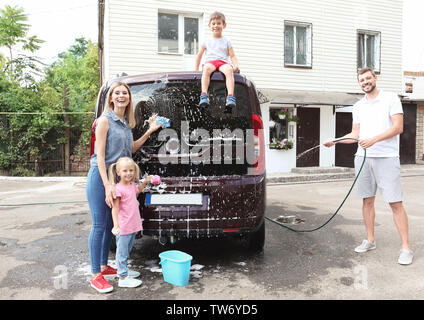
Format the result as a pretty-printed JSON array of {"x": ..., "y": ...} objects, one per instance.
[{"x": 383, "y": 173}]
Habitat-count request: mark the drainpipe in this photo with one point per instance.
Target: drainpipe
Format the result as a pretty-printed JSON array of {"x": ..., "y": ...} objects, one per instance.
[{"x": 100, "y": 42}]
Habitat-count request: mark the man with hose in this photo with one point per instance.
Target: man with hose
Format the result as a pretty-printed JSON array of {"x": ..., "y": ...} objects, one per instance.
[{"x": 377, "y": 123}]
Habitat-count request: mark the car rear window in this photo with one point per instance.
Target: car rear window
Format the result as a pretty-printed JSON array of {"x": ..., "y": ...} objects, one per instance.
[{"x": 200, "y": 141}]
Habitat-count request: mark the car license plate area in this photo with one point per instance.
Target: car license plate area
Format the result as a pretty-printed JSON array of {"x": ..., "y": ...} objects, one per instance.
[{"x": 188, "y": 199}]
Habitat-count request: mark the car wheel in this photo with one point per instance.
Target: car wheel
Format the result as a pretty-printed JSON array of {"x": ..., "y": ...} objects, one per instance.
[{"x": 256, "y": 239}]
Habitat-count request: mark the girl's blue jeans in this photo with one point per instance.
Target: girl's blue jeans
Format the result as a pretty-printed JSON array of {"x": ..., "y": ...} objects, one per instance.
[
  {"x": 100, "y": 237},
  {"x": 124, "y": 244}
]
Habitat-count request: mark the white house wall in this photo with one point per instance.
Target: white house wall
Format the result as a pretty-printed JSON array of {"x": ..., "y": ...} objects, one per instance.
[{"x": 256, "y": 29}]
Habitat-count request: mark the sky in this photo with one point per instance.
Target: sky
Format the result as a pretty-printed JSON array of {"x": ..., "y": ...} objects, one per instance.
[{"x": 59, "y": 22}]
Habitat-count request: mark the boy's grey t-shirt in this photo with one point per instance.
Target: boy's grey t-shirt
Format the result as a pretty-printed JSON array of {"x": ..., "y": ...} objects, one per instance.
[{"x": 217, "y": 49}]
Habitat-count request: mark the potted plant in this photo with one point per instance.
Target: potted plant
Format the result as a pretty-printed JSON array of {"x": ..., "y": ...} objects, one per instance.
[
  {"x": 283, "y": 144},
  {"x": 286, "y": 144},
  {"x": 283, "y": 113},
  {"x": 293, "y": 118}
]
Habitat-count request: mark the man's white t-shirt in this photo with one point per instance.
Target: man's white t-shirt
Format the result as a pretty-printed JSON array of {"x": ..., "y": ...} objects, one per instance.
[{"x": 374, "y": 118}]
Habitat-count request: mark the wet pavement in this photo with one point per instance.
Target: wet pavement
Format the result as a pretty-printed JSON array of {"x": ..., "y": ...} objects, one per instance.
[{"x": 44, "y": 255}]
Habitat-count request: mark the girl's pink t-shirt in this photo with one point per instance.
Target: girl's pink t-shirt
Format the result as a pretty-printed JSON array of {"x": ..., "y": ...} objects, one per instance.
[{"x": 129, "y": 214}]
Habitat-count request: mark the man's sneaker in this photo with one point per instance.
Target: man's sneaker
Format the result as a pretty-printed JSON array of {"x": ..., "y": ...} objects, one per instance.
[
  {"x": 101, "y": 285},
  {"x": 129, "y": 282},
  {"x": 109, "y": 271},
  {"x": 231, "y": 102},
  {"x": 365, "y": 246},
  {"x": 405, "y": 256},
  {"x": 204, "y": 100}
]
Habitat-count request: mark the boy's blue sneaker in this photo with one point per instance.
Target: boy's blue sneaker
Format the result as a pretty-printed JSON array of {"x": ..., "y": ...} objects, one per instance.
[
  {"x": 230, "y": 104},
  {"x": 204, "y": 100},
  {"x": 231, "y": 101}
]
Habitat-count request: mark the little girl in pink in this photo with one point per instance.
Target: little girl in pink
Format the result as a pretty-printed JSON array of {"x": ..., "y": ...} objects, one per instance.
[{"x": 126, "y": 215}]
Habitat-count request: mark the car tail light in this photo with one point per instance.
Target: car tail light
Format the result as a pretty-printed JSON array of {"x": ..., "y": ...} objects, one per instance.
[
  {"x": 93, "y": 137},
  {"x": 259, "y": 144}
]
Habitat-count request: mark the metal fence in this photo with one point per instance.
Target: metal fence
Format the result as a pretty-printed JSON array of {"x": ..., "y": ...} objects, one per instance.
[{"x": 69, "y": 158}]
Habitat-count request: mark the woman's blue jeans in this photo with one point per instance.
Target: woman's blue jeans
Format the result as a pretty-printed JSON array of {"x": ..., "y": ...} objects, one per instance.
[{"x": 100, "y": 237}]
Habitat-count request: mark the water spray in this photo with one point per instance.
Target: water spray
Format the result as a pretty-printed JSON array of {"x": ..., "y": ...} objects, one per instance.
[{"x": 341, "y": 204}]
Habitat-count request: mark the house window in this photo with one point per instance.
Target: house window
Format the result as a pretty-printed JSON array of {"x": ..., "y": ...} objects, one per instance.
[
  {"x": 297, "y": 44},
  {"x": 369, "y": 50},
  {"x": 168, "y": 32},
  {"x": 178, "y": 33},
  {"x": 191, "y": 35}
]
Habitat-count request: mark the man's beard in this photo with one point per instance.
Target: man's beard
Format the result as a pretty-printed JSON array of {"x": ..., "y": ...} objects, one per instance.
[{"x": 370, "y": 90}]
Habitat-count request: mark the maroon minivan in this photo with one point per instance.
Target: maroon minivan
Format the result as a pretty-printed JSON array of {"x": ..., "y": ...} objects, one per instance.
[{"x": 211, "y": 162}]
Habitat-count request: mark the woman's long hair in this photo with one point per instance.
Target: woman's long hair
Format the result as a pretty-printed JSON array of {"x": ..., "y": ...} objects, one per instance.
[{"x": 129, "y": 111}]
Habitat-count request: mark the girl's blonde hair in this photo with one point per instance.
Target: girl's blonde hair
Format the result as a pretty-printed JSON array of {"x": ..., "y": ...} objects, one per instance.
[
  {"x": 113, "y": 177},
  {"x": 129, "y": 112}
]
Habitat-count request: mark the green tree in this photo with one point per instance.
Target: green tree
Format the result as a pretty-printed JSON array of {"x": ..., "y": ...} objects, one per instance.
[
  {"x": 14, "y": 32},
  {"x": 22, "y": 137},
  {"x": 78, "y": 69},
  {"x": 32, "y": 126},
  {"x": 30, "y": 129}
]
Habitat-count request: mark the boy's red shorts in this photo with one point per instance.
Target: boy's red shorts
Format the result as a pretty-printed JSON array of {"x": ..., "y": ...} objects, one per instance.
[{"x": 217, "y": 63}]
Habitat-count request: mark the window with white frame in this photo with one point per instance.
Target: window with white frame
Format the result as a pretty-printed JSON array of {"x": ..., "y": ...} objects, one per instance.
[
  {"x": 178, "y": 33},
  {"x": 277, "y": 125},
  {"x": 281, "y": 131},
  {"x": 297, "y": 44},
  {"x": 369, "y": 49}
]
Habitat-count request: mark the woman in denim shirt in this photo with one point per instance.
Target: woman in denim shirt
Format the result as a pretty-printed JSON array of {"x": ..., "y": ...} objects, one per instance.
[{"x": 114, "y": 139}]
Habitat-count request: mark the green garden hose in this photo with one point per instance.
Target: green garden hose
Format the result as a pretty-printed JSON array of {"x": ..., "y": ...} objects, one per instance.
[
  {"x": 41, "y": 203},
  {"x": 341, "y": 204}
]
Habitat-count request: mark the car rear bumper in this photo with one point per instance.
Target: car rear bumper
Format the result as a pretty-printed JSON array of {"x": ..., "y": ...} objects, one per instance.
[{"x": 230, "y": 205}]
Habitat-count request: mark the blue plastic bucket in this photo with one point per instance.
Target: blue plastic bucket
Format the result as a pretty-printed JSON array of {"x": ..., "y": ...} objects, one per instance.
[{"x": 175, "y": 267}]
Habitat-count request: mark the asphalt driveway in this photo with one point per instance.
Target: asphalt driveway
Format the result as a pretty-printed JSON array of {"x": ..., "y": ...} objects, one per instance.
[{"x": 44, "y": 228}]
